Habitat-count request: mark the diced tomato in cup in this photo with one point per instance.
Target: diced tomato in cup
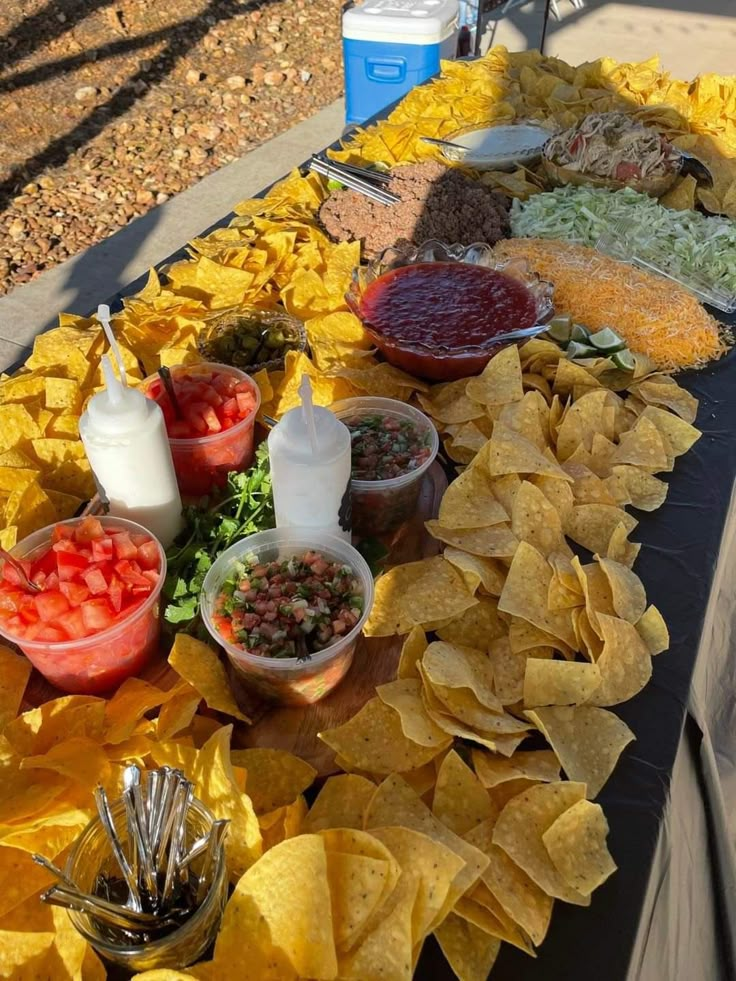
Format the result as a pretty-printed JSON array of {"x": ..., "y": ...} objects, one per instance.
[
  {"x": 213, "y": 432},
  {"x": 90, "y": 626}
]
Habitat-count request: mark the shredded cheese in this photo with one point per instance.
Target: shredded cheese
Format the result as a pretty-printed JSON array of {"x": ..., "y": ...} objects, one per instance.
[{"x": 654, "y": 316}]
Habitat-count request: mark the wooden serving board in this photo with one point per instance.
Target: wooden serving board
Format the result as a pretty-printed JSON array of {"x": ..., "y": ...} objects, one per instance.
[{"x": 375, "y": 661}]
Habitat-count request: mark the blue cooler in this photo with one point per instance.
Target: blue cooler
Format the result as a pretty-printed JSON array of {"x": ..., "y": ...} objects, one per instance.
[{"x": 389, "y": 46}]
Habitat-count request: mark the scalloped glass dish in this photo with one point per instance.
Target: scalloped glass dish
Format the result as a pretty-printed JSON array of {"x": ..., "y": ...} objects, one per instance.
[{"x": 441, "y": 355}]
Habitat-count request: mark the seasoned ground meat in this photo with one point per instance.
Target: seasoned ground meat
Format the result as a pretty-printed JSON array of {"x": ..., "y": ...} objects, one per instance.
[{"x": 437, "y": 202}]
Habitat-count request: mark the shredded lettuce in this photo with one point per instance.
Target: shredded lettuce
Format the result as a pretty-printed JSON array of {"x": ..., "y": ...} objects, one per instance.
[{"x": 689, "y": 246}]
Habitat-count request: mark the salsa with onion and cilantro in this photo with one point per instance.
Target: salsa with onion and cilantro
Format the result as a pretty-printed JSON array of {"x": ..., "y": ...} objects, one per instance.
[
  {"x": 384, "y": 447},
  {"x": 288, "y": 609}
]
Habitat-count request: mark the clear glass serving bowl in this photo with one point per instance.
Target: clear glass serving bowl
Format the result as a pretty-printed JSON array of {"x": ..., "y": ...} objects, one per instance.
[
  {"x": 453, "y": 359},
  {"x": 176, "y": 950}
]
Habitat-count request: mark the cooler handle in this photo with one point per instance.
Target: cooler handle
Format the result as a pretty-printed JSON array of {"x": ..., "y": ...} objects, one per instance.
[{"x": 386, "y": 69}]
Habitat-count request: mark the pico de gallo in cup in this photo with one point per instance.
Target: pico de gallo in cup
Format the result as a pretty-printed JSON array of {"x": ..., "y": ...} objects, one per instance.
[
  {"x": 86, "y": 615},
  {"x": 288, "y": 605},
  {"x": 211, "y": 427},
  {"x": 393, "y": 445}
]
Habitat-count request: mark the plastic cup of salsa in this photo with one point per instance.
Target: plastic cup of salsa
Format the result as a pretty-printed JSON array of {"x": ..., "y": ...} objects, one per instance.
[
  {"x": 288, "y": 681},
  {"x": 202, "y": 463},
  {"x": 380, "y": 506},
  {"x": 98, "y": 663}
]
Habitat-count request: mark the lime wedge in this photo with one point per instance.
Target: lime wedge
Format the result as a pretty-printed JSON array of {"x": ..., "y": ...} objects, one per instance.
[
  {"x": 624, "y": 360},
  {"x": 559, "y": 329},
  {"x": 580, "y": 334},
  {"x": 607, "y": 341},
  {"x": 577, "y": 350}
]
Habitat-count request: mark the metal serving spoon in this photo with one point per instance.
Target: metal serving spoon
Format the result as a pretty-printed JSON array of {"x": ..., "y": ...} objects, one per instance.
[
  {"x": 15, "y": 564},
  {"x": 433, "y": 141}
]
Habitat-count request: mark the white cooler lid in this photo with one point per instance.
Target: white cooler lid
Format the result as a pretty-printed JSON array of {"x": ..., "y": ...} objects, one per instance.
[{"x": 401, "y": 21}]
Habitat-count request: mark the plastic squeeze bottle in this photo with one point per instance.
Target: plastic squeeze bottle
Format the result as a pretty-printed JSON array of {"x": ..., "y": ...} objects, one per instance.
[
  {"x": 124, "y": 436},
  {"x": 309, "y": 451}
]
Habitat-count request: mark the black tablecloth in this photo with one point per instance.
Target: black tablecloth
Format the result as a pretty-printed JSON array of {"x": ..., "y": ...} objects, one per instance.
[{"x": 669, "y": 913}]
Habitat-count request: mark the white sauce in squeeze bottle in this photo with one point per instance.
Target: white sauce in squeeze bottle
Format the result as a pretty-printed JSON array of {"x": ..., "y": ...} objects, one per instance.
[
  {"x": 310, "y": 458},
  {"x": 124, "y": 436}
]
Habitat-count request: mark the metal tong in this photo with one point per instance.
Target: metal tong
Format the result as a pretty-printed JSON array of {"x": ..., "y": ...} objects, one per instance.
[{"x": 363, "y": 181}]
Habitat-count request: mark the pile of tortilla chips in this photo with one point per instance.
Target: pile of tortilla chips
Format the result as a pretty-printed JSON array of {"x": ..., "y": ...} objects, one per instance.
[{"x": 698, "y": 116}]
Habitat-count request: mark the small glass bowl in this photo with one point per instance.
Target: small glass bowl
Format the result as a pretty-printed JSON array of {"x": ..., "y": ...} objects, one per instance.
[
  {"x": 448, "y": 362},
  {"x": 182, "y": 947},
  {"x": 218, "y": 342}
]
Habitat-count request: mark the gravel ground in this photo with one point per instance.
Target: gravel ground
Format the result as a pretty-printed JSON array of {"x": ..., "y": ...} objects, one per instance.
[{"x": 109, "y": 108}]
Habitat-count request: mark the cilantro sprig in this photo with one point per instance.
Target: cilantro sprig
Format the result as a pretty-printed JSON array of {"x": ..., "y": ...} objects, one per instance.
[{"x": 245, "y": 507}]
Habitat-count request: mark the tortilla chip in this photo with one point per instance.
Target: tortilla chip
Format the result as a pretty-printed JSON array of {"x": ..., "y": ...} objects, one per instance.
[
  {"x": 677, "y": 435},
  {"x": 536, "y": 521},
  {"x": 593, "y": 525},
  {"x": 373, "y": 740},
  {"x": 440, "y": 594},
  {"x": 15, "y": 670},
  {"x": 396, "y": 804},
  {"x": 587, "y": 740},
  {"x": 539, "y": 765},
  {"x": 576, "y": 843},
  {"x": 525, "y": 595},
  {"x": 449, "y": 403},
  {"x": 508, "y": 452},
  {"x": 453, "y": 666},
  {"x": 653, "y": 631},
  {"x": 559, "y": 682},
  {"x": 469, "y": 503},
  {"x": 646, "y": 492},
  {"x": 268, "y": 926},
  {"x": 404, "y": 697},
  {"x": 477, "y": 627},
  {"x": 341, "y": 803},
  {"x": 500, "y": 380},
  {"x": 274, "y": 778},
  {"x": 520, "y": 828},
  {"x": 470, "y": 951},
  {"x": 509, "y": 668},
  {"x": 198, "y": 664},
  {"x": 460, "y": 800},
  {"x": 414, "y": 646},
  {"x": 519, "y": 896},
  {"x": 625, "y": 664},
  {"x": 495, "y": 541},
  {"x": 477, "y": 570}
]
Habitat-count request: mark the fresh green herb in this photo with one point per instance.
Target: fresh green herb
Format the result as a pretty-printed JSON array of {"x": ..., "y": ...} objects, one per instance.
[{"x": 245, "y": 507}]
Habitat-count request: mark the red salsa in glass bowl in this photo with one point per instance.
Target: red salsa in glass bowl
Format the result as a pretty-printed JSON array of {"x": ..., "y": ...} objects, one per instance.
[
  {"x": 94, "y": 620},
  {"x": 441, "y": 312},
  {"x": 393, "y": 445}
]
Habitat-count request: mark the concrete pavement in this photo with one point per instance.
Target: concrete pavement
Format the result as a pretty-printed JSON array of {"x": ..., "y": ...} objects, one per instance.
[{"x": 690, "y": 36}]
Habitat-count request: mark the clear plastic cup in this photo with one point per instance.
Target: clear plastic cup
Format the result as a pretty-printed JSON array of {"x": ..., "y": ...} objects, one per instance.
[
  {"x": 289, "y": 680},
  {"x": 380, "y": 506},
  {"x": 99, "y": 663},
  {"x": 202, "y": 463},
  {"x": 186, "y": 944}
]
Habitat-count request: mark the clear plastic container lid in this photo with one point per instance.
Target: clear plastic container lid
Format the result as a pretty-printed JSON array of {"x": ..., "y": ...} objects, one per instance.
[{"x": 637, "y": 245}]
